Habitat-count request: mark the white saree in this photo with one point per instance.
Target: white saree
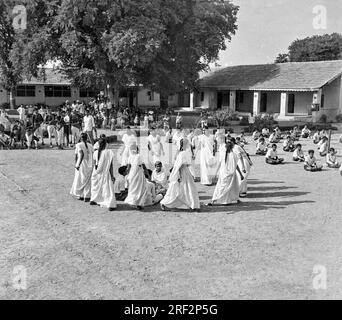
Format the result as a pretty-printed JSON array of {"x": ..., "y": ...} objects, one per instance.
[
  {"x": 81, "y": 186},
  {"x": 182, "y": 192},
  {"x": 102, "y": 186},
  {"x": 227, "y": 188}
]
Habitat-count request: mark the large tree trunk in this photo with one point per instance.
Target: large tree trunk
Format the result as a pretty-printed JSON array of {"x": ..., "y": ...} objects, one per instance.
[
  {"x": 164, "y": 101},
  {"x": 12, "y": 98}
]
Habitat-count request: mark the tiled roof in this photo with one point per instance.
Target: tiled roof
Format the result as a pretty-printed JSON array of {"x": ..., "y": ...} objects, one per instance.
[{"x": 295, "y": 76}]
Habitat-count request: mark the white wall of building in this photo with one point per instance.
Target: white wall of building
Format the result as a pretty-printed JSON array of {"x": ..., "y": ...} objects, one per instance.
[
  {"x": 332, "y": 99},
  {"x": 143, "y": 98}
]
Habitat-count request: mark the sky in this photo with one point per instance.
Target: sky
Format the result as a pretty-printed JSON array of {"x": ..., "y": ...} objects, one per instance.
[{"x": 267, "y": 28}]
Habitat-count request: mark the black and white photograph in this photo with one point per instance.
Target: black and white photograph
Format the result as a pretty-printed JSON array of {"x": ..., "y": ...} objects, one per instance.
[{"x": 170, "y": 150}]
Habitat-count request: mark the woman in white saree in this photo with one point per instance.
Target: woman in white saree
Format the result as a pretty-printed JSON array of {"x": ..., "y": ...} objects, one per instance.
[
  {"x": 227, "y": 188},
  {"x": 81, "y": 187},
  {"x": 244, "y": 164},
  {"x": 207, "y": 159},
  {"x": 129, "y": 138},
  {"x": 182, "y": 192},
  {"x": 102, "y": 180},
  {"x": 138, "y": 191}
]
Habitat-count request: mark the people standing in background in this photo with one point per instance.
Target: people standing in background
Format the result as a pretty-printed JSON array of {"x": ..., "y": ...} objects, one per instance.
[{"x": 89, "y": 126}]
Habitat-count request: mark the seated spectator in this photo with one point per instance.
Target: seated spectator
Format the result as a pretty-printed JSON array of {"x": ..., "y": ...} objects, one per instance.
[
  {"x": 261, "y": 148},
  {"x": 272, "y": 156},
  {"x": 288, "y": 145},
  {"x": 298, "y": 154},
  {"x": 332, "y": 159},
  {"x": 310, "y": 163}
]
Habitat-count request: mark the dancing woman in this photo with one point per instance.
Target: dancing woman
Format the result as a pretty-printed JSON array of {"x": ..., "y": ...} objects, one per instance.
[
  {"x": 102, "y": 180},
  {"x": 138, "y": 193},
  {"x": 244, "y": 164},
  {"x": 129, "y": 139},
  {"x": 81, "y": 187},
  {"x": 206, "y": 146},
  {"x": 182, "y": 192},
  {"x": 227, "y": 188}
]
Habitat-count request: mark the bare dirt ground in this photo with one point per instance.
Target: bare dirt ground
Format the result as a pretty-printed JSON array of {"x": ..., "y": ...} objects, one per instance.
[{"x": 264, "y": 248}]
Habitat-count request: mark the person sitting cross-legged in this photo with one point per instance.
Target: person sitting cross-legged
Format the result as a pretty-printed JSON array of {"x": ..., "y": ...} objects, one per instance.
[
  {"x": 298, "y": 154},
  {"x": 332, "y": 159},
  {"x": 272, "y": 156},
  {"x": 311, "y": 162},
  {"x": 261, "y": 148}
]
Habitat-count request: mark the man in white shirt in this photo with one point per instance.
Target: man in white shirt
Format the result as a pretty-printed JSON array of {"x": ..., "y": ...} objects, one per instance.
[
  {"x": 89, "y": 126},
  {"x": 22, "y": 113}
]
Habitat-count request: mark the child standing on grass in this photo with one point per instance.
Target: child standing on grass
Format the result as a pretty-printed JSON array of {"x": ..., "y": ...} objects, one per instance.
[
  {"x": 272, "y": 156},
  {"x": 332, "y": 159},
  {"x": 311, "y": 163},
  {"x": 298, "y": 154}
]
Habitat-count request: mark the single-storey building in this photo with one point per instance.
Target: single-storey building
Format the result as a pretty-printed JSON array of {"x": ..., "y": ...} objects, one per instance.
[
  {"x": 290, "y": 91},
  {"x": 54, "y": 89}
]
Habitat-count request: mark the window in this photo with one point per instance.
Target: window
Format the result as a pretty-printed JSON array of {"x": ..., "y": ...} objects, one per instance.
[
  {"x": 58, "y": 91},
  {"x": 202, "y": 96},
  {"x": 150, "y": 95},
  {"x": 88, "y": 93},
  {"x": 291, "y": 103},
  {"x": 322, "y": 101},
  {"x": 241, "y": 97},
  {"x": 26, "y": 91},
  {"x": 263, "y": 102}
]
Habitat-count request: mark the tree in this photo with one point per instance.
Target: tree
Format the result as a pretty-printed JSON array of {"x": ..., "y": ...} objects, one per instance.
[
  {"x": 315, "y": 48},
  {"x": 102, "y": 42},
  {"x": 282, "y": 58},
  {"x": 22, "y": 44},
  {"x": 162, "y": 44},
  {"x": 195, "y": 32}
]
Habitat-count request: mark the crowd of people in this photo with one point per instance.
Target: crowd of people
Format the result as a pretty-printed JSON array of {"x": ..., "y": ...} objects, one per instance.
[
  {"x": 224, "y": 163},
  {"x": 62, "y": 126},
  {"x": 267, "y": 146}
]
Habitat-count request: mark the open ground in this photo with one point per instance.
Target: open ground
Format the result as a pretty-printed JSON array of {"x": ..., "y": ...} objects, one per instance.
[{"x": 264, "y": 248}]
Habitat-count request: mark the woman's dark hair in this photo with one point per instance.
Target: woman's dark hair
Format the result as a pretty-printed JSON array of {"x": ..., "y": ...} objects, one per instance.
[
  {"x": 181, "y": 145},
  {"x": 123, "y": 170},
  {"x": 232, "y": 140},
  {"x": 102, "y": 146},
  {"x": 84, "y": 138},
  {"x": 229, "y": 148}
]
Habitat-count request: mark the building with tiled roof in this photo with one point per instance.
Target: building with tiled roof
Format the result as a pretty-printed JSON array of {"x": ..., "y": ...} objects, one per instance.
[{"x": 288, "y": 90}]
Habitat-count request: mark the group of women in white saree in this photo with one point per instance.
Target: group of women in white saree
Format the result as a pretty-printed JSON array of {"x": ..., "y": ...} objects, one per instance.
[{"x": 220, "y": 159}]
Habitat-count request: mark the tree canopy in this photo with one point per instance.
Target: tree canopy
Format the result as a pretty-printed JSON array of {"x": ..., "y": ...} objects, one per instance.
[
  {"x": 315, "y": 48},
  {"x": 162, "y": 44},
  {"x": 22, "y": 50}
]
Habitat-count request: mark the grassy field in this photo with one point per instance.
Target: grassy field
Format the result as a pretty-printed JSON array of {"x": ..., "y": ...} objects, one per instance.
[{"x": 264, "y": 248}]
